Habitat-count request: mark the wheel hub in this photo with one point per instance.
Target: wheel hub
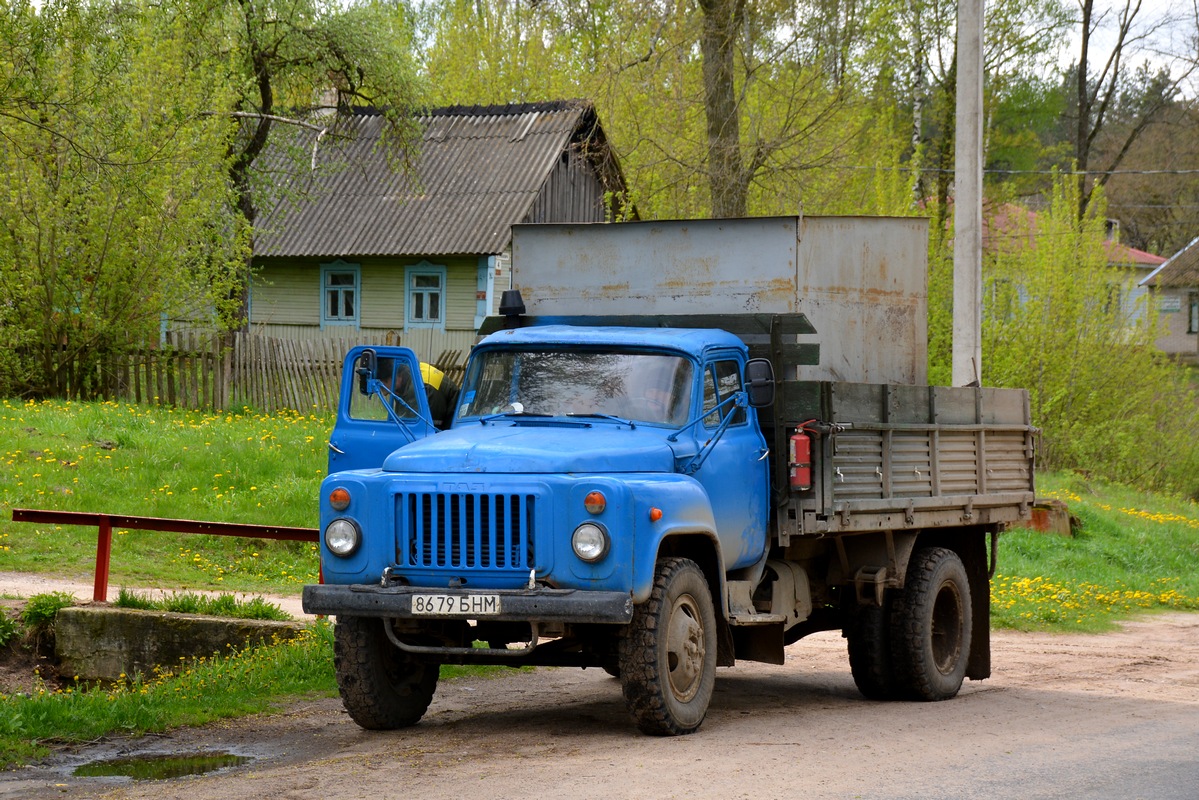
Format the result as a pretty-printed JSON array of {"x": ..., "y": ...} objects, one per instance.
[{"x": 685, "y": 648}]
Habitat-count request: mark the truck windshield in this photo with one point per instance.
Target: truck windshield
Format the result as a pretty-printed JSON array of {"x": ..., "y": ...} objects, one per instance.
[{"x": 644, "y": 387}]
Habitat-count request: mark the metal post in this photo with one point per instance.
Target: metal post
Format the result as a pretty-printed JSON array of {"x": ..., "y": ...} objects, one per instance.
[
  {"x": 967, "y": 203},
  {"x": 103, "y": 557}
]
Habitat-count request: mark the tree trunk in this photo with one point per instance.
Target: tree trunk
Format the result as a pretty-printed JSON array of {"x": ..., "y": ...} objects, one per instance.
[
  {"x": 726, "y": 176},
  {"x": 1082, "y": 134}
]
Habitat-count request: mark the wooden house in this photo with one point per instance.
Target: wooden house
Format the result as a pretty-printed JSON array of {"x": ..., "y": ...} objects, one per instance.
[{"x": 359, "y": 250}]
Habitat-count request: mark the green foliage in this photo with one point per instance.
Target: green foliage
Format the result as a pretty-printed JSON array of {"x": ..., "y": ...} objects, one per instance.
[
  {"x": 222, "y": 605},
  {"x": 113, "y": 214},
  {"x": 129, "y": 135},
  {"x": 41, "y": 609},
  {"x": 10, "y": 628},
  {"x": 1026, "y": 136},
  {"x": 1061, "y": 322}
]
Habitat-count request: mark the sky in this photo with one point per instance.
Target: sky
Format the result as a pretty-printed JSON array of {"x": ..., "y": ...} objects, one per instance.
[{"x": 1176, "y": 38}]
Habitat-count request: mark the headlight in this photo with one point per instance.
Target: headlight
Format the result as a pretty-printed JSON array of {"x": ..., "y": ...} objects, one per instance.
[
  {"x": 590, "y": 542},
  {"x": 342, "y": 536}
]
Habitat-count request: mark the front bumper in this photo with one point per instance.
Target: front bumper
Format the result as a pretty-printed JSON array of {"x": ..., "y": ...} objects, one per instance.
[{"x": 517, "y": 605}]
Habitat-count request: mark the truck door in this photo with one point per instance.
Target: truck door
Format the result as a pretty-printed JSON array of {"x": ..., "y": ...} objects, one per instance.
[
  {"x": 382, "y": 406},
  {"x": 735, "y": 474}
]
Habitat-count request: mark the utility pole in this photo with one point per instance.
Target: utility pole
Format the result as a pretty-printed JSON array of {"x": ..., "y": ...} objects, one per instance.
[{"x": 967, "y": 197}]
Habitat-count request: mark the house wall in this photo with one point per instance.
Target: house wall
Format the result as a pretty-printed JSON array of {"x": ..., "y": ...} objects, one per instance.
[
  {"x": 287, "y": 296},
  {"x": 1174, "y": 306},
  {"x": 572, "y": 193}
]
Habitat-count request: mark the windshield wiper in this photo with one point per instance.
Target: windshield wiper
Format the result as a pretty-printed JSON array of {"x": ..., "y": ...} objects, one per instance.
[
  {"x": 611, "y": 417},
  {"x": 506, "y": 414}
]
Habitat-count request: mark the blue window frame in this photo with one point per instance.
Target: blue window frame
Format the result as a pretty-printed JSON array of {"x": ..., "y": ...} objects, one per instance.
[
  {"x": 340, "y": 290},
  {"x": 424, "y": 296}
]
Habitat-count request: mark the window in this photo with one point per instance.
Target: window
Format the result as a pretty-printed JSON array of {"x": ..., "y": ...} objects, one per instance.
[
  {"x": 1193, "y": 312},
  {"x": 339, "y": 293},
  {"x": 425, "y": 290},
  {"x": 647, "y": 387},
  {"x": 395, "y": 375},
  {"x": 721, "y": 380}
]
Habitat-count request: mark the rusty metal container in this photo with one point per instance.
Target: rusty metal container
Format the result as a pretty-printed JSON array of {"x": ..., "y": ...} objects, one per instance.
[{"x": 861, "y": 281}]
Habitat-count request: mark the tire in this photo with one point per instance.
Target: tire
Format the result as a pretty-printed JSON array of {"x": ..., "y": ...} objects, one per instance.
[
  {"x": 668, "y": 652},
  {"x": 868, "y": 636},
  {"x": 381, "y": 686},
  {"x": 931, "y": 626}
]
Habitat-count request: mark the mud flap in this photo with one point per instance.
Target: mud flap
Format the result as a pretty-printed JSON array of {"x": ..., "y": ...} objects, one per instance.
[{"x": 973, "y": 552}]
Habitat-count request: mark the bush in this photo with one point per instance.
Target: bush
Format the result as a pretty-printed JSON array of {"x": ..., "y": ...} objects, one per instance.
[
  {"x": 1058, "y": 320},
  {"x": 41, "y": 609},
  {"x": 10, "y": 628}
]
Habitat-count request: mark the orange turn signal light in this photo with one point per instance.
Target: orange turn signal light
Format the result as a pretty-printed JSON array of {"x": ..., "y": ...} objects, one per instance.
[
  {"x": 339, "y": 498},
  {"x": 655, "y": 514},
  {"x": 595, "y": 502}
]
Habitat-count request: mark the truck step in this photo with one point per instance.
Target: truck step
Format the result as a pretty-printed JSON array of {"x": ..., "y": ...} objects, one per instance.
[{"x": 756, "y": 619}]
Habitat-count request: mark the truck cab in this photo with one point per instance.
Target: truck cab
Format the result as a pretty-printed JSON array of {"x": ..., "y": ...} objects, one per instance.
[{"x": 577, "y": 457}]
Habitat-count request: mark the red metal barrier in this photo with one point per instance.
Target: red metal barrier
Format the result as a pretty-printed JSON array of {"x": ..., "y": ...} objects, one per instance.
[{"x": 106, "y": 522}]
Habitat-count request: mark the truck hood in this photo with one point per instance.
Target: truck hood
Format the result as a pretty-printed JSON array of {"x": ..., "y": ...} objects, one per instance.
[{"x": 523, "y": 447}]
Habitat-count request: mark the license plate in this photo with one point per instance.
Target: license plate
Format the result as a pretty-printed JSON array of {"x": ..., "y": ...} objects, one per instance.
[{"x": 470, "y": 605}]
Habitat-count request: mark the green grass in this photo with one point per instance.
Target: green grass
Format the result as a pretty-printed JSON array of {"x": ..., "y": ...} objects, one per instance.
[
  {"x": 1134, "y": 552},
  {"x": 147, "y": 461},
  {"x": 256, "y": 680},
  {"x": 222, "y": 605},
  {"x": 247, "y": 682}
]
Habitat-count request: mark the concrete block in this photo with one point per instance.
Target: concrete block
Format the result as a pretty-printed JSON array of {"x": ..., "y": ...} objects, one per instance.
[
  {"x": 100, "y": 643},
  {"x": 1052, "y": 516}
]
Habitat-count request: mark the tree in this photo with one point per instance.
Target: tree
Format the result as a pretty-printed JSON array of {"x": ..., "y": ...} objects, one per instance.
[
  {"x": 131, "y": 134},
  {"x": 1156, "y": 195},
  {"x": 109, "y": 219},
  {"x": 281, "y": 59},
  {"x": 1097, "y": 94}
]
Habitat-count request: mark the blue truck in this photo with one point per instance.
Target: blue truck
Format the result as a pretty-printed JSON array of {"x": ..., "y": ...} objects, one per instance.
[{"x": 658, "y": 495}]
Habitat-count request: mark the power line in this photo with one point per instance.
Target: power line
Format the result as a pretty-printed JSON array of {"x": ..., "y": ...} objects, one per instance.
[{"x": 1039, "y": 171}]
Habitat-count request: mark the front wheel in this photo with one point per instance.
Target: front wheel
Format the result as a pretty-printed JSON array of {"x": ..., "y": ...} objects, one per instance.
[
  {"x": 932, "y": 625},
  {"x": 668, "y": 653},
  {"x": 381, "y": 686}
]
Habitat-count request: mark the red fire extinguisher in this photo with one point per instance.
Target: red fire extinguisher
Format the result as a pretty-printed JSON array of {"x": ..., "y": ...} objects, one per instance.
[{"x": 800, "y": 452}]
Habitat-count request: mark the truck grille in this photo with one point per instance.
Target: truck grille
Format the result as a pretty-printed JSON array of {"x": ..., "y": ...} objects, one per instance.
[{"x": 465, "y": 531}]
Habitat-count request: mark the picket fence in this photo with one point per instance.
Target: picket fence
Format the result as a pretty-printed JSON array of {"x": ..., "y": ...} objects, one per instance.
[{"x": 189, "y": 370}]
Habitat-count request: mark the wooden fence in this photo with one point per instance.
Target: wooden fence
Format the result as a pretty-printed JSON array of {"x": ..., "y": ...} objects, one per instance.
[{"x": 242, "y": 369}]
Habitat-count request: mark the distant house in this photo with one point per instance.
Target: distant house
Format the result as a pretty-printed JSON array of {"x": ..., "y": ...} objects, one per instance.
[
  {"x": 1175, "y": 285},
  {"x": 1007, "y": 227},
  {"x": 420, "y": 259}
]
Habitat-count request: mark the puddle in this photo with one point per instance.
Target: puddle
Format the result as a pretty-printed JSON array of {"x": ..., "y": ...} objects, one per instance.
[{"x": 159, "y": 767}]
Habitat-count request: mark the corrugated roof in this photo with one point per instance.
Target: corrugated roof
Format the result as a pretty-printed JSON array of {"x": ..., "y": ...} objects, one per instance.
[
  {"x": 477, "y": 171},
  {"x": 1008, "y": 228},
  {"x": 1181, "y": 271}
]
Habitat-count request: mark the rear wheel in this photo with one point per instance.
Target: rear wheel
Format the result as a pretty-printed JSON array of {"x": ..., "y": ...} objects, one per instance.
[
  {"x": 381, "y": 686},
  {"x": 932, "y": 626},
  {"x": 668, "y": 653},
  {"x": 868, "y": 636}
]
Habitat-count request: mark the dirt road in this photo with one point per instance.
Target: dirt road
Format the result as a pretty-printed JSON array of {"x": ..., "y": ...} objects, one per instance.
[{"x": 1111, "y": 716}]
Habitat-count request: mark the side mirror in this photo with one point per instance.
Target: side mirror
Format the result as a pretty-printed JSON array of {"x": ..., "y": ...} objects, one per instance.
[
  {"x": 367, "y": 366},
  {"x": 759, "y": 382}
]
